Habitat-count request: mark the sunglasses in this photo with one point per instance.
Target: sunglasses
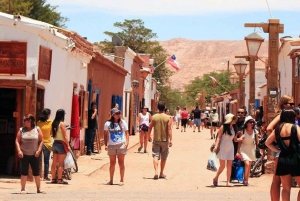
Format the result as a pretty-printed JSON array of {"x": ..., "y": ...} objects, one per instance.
[
  {"x": 251, "y": 122},
  {"x": 26, "y": 119},
  {"x": 240, "y": 112},
  {"x": 118, "y": 113},
  {"x": 291, "y": 104}
]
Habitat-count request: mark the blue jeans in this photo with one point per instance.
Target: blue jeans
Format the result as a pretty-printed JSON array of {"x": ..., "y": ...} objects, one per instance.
[
  {"x": 89, "y": 136},
  {"x": 46, "y": 154}
]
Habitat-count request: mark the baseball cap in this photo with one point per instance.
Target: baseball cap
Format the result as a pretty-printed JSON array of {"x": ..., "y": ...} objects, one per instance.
[{"x": 114, "y": 111}]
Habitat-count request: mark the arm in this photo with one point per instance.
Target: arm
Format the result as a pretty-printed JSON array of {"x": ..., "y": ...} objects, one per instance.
[
  {"x": 218, "y": 140},
  {"x": 17, "y": 142},
  {"x": 170, "y": 133},
  {"x": 127, "y": 138},
  {"x": 105, "y": 138},
  {"x": 64, "y": 133},
  {"x": 256, "y": 140},
  {"x": 272, "y": 125},
  {"x": 94, "y": 114},
  {"x": 138, "y": 121},
  {"x": 270, "y": 140},
  {"x": 37, "y": 153},
  {"x": 149, "y": 131}
]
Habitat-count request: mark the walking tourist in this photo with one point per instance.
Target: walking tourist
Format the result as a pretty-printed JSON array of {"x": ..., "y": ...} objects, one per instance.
[
  {"x": 144, "y": 119},
  {"x": 224, "y": 147},
  {"x": 184, "y": 118},
  {"x": 214, "y": 120},
  {"x": 197, "y": 121},
  {"x": 285, "y": 102},
  {"x": 162, "y": 139},
  {"x": 248, "y": 145},
  {"x": 177, "y": 116},
  {"x": 60, "y": 146},
  {"x": 287, "y": 137},
  {"x": 116, "y": 140},
  {"x": 29, "y": 144},
  {"x": 45, "y": 124},
  {"x": 91, "y": 129}
]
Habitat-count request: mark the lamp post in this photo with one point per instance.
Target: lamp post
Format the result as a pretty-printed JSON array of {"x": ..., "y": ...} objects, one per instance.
[
  {"x": 233, "y": 79},
  {"x": 253, "y": 42},
  {"x": 240, "y": 67}
]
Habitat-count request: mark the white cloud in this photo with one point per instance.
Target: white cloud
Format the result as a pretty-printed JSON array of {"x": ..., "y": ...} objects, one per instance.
[{"x": 174, "y": 7}]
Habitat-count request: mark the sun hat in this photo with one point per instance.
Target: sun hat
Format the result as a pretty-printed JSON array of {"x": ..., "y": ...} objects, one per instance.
[
  {"x": 228, "y": 118},
  {"x": 248, "y": 118},
  {"x": 214, "y": 108},
  {"x": 114, "y": 111}
]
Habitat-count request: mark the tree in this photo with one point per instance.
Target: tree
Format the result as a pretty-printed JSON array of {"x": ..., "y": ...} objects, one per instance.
[
  {"x": 35, "y": 9},
  {"x": 205, "y": 83},
  {"x": 141, "y": 40}
]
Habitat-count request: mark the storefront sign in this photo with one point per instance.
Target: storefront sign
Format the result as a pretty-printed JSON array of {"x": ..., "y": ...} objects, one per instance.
[
  {"x": 13, "y": 58},
  {"x": 45, "y": 59}
]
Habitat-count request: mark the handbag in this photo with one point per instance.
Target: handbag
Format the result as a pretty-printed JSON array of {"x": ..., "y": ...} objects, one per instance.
[{"x": 257, "y": 153}]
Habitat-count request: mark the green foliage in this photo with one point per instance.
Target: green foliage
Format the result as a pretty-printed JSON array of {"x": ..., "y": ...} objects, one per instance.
[
  {"x": 205, "y": 83},
  {"x": 141, "y": 40},
  {"x": 35, "y": 9}
]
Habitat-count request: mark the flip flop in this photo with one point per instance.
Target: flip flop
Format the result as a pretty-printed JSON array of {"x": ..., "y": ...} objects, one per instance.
[
  {"x": 155, "y": 176},
  {"x": 162, "y": 176},
  {"x": 23, "y": 192},
  {"x": 215, "y": 182}
]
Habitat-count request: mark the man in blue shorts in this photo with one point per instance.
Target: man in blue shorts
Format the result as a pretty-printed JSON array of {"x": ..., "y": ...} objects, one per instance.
[{"x": 197, "y": 121}]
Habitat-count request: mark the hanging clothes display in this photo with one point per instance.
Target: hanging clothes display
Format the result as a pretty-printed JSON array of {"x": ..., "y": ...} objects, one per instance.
[{"x": 75, "y": 132}]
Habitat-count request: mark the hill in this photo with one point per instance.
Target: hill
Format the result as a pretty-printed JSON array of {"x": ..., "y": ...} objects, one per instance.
[{"x": 201, "y": 57}]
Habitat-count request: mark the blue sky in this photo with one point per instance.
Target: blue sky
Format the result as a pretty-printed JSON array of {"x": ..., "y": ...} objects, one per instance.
[{"x": 191, "y": 19}]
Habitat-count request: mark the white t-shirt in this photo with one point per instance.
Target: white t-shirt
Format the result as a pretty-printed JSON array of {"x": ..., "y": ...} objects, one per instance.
[{"x": 116, "y": 134}]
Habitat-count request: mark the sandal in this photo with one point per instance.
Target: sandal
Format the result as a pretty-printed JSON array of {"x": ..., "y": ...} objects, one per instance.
[
  {"x": 61, "y": 181},
  {"x": 53, "y": 181},
  {"x": 41, "y": 191}
]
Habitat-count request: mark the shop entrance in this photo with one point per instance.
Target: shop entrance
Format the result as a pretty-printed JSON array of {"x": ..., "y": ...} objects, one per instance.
[{"x": 8, "y": 105}]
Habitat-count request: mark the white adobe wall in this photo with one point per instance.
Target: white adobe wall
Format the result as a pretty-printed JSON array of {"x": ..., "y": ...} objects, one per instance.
[{"x": 285, "y": 70}]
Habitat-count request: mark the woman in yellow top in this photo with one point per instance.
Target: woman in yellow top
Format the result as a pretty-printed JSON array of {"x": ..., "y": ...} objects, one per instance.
[
  {"x": 60, "y": 146},
  {"x": 45, "y": 125}
]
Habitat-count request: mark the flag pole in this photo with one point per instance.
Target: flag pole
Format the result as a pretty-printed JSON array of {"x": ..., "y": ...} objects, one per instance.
[
  {"x": 222, "y": 86},
  {"x": 160, "y": 64}
]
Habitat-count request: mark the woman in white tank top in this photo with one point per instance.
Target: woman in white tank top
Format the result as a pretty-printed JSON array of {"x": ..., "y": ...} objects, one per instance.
[{"x": 143, "y": 125}]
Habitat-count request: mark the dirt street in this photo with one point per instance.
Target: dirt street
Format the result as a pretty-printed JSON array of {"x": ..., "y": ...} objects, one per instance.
[{"x": 187, "y": 177}]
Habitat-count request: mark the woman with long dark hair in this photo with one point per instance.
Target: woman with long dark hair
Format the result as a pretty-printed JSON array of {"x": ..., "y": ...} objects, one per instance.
[
  {"x": 29, "y": 143},
  {"x": 60, "y": 146},
  {"x": 116, "y": 139},
  {"x": 45, "y": 125},
  {"x": 287, "y": 137},
  {"x": 225, "y": 147}
]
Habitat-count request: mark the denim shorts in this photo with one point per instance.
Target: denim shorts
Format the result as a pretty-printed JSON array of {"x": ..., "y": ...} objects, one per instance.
[
  {"x": 197, "y": 122},
  {"x": 58, "y": 148}
]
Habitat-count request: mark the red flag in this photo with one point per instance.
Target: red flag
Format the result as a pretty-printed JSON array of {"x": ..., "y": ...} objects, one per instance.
[
  {"x": 214, "y": 81},
  {"x": 173, "y": 62}
]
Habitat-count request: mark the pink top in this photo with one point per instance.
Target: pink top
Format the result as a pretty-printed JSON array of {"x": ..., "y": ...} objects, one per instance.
[{"x": 184, "y": 114}]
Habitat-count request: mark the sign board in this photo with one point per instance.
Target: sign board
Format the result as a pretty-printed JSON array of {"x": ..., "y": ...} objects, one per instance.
[
  {"x": 13, "y": 55},
  {"x": 45, "y": 60}
]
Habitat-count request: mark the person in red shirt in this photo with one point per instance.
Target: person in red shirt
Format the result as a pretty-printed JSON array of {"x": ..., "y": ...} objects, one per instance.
[{"x": 184, "y": 118}]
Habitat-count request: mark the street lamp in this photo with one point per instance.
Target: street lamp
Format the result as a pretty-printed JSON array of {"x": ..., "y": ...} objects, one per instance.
[
  {"x": 233, "y": 78},
  {"x": 253, "y": 42},
  {"x": 240, "y": 67}
]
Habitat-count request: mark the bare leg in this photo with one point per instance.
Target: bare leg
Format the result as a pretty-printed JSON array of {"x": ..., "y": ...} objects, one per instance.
[
  {"x": 162, "y": 167},
  {"x": 298, "y": 181},
  {"x": 220, "y": 170},
  {"x": 53, "y": 166},
  {"x": 23, "y": 182},
  {"x": 247, "y": 171},
  {"x": 142, "y": 135},
  {"x": 145, "y": 141},
  {"x": 229, "y": 165},
  {"x": 60, "y": 158},
  {"x": 275, "y": 186},
  {"x": 286, "y": 187},
  {"x": 121, "y": 158},
  {"x": 155, "y": 164},
  {"x": 112, "y": 161},
  {"x": 38, "y": 183}
]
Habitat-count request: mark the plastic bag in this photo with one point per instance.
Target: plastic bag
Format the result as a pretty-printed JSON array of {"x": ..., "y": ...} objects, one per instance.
[
  {"x": 213, "y": 163},
  {"x": 69, "y": 162}
]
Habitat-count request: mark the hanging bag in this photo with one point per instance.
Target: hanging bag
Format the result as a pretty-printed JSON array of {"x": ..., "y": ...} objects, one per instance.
[
  {"x": 69, "y": 162},
  {"x": 213, "y": 163}
]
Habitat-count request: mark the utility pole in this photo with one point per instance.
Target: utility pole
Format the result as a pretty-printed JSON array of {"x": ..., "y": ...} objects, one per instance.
[{"x": 273, "y": 28}]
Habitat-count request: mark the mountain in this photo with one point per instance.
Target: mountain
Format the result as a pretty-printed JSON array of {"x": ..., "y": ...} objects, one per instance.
[{"x": 201, "y": 57}]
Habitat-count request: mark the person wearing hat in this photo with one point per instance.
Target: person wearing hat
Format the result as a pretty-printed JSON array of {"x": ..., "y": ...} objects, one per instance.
[
  {"x": 144, "y": 119},
  {"x": 214, "y": 119},
  {"x": 225, "y": 147},
  {"x": 116, "y": 139},
  {"x": 248, "y": 145},
  {"x": 91, "y": 129}
]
